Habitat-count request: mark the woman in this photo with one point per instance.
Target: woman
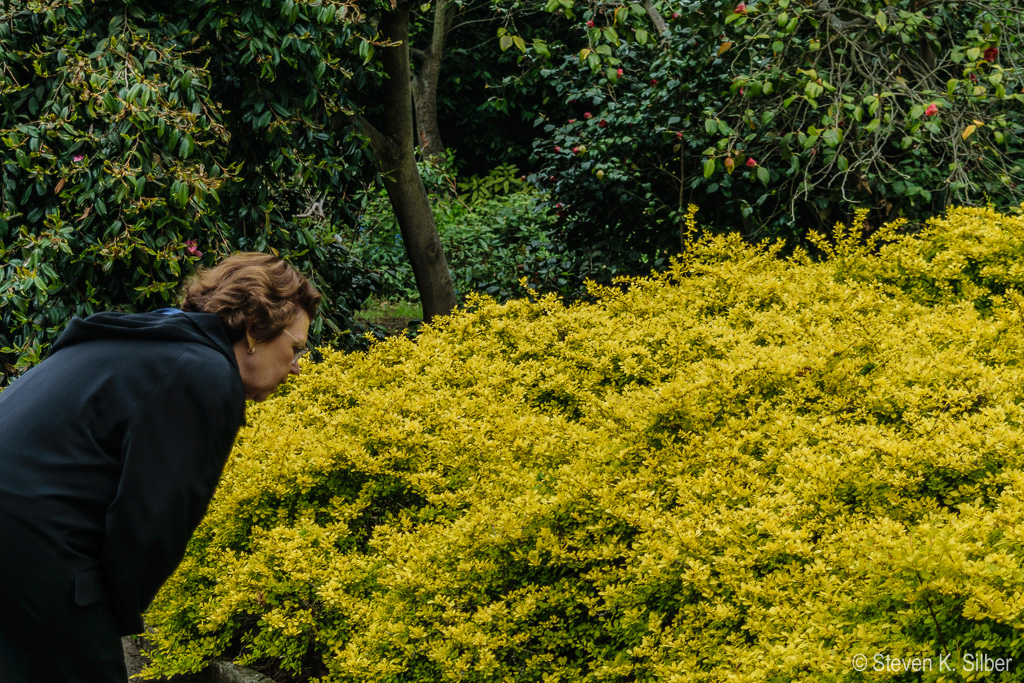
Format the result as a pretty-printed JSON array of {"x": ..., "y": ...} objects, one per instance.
[{"x": 110, "y": 451}]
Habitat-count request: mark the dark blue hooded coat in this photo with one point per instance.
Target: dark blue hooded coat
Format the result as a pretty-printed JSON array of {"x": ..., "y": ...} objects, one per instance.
[{"x": 110, "y": 451}]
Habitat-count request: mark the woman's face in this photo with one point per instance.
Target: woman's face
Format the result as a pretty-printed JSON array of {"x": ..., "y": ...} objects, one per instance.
[{"x": 268, "y": 367}]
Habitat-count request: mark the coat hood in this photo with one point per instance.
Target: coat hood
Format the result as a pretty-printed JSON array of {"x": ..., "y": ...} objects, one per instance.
[{"x": 163, "y": 325}]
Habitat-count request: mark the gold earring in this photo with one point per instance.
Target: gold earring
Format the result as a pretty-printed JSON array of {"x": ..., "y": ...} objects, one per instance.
[{"x": 252, "y": 349}]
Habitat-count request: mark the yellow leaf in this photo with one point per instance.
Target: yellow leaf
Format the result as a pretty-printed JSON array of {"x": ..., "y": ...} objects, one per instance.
[
  {"x": 725, "y": 47},
  {"x": 968, "y": 131}
]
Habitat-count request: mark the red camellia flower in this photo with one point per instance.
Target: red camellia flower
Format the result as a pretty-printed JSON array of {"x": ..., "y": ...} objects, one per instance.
[
  {"x": 751, "y": 162},
  {"x": 588, "y": 115},
  {"x": 557, "y": 148},
  {"x": 654, "y": 81},
  {"x": 932, "y": 109},
  {"x": 590, "y": 24},
  {"x": 741, "y": 8},
  {"x": 602, "y": 123},
  {"x": 679, "y": 135},
  {"x": 619, "y": 72},
  {"x": 991, "y": 54}
]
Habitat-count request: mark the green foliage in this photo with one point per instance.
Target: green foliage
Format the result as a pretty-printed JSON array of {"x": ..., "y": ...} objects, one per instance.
[
  {"x": 903, "y": 108},
  {"x": 490, "y": 244},
  {"x": 487, "y": 99},
  {"x": 748, "y": 468},
  {"x": 136, "y": 144},
  {"x": 498, "y": 182},
  {"x": 775, "y": 116}
]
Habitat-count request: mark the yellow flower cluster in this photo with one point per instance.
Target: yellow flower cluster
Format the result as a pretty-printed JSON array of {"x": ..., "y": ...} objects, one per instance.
[{"x": 747, "y": 469}]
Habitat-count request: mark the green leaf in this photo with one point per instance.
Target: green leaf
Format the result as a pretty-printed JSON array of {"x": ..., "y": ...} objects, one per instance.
[
  {"x": 709, "y": 168},
  {"x": 763, "y": 175},
  {"x": 179, "y": 194}
]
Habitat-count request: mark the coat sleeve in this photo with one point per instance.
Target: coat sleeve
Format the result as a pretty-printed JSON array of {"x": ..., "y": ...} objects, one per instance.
[{"x": 175, "y": 446}]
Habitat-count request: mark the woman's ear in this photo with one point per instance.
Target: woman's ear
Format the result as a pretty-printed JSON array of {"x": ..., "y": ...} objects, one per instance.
[{"x": 250, "y": 343}]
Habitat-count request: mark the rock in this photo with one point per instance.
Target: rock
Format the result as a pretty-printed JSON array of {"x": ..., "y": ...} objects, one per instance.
[{"x": 220, "y": 671}]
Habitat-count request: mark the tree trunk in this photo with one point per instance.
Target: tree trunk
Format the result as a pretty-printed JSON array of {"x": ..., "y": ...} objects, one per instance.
[
  {"x": 393, "y": 145},
  {"x": 424, "y": 83}
]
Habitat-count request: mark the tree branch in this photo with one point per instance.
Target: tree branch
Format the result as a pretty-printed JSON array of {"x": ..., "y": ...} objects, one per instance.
[{"x": 659, "y": 21}]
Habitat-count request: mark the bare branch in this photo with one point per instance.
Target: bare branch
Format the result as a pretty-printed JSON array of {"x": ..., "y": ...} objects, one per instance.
[{"x": 659, "y": 21}]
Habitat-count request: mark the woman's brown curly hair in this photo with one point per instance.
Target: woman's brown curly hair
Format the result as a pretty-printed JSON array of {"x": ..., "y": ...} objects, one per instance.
[{"x": 253, "y": 292}]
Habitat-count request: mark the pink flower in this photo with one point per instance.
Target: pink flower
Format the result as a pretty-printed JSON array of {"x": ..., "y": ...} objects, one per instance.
[
  {"x": 619, "y": 72},
  {"x": 557, "y": 149},
  {"x": 751, "y": 162},
  {"x": 193, "y": 248},
  {"x": 590, "y": 24},
  {"x": 741, "y": 8},
  {"x": 78, "y": 158},
  {"x": 588, "y": 115},
  {"x": 932, "y": 109}
]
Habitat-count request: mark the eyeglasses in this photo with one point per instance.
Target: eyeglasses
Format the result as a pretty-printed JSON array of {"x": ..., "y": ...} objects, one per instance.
[{"x": 298, "y": 354}]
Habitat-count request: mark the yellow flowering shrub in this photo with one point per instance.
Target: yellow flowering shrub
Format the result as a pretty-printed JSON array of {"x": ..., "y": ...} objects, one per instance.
[{"x": 747, "y": 469}]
